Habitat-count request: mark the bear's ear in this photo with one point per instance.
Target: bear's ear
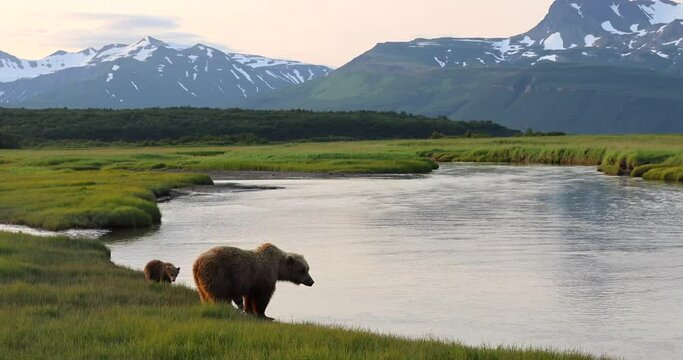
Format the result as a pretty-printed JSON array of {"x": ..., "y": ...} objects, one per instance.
[
  {"x": 289, "y": 260},
  {"x": 178, "y": 268}
]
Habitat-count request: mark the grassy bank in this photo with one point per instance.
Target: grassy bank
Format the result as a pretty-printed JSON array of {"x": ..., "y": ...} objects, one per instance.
[
  {"x": 58, "y": 199},
  {"x": 653, "y": 157},
  {"x": 117, "y": 187},
  {"x": 64, "y": 299}
]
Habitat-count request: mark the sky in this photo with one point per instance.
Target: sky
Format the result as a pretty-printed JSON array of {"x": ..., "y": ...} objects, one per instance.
[{"x": 315, "y": 31}]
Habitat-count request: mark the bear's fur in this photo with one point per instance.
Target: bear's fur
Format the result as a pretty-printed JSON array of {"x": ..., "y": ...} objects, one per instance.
[
  {"x": 247, "y": 277},
  {"x": 159, "y": 271}
]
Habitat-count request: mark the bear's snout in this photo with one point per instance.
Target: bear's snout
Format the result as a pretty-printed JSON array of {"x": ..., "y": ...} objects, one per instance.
[{"x": 308, "y": 282}]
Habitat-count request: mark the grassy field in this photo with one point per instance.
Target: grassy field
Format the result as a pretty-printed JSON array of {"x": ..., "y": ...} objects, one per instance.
[
  {"x": 116, "y": 187},
  {"x": 63, "y": 299}
]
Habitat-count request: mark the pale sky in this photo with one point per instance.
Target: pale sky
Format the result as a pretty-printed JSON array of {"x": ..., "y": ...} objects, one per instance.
[{"x": 316, "y": 31}]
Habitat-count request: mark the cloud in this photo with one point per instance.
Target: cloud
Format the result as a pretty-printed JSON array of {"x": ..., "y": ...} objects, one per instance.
[
  {"x": 127, "y": 21},
  {"x": 102, "y": 29}
]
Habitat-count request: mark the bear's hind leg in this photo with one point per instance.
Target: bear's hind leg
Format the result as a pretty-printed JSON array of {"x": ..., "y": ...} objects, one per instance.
[
  {"x": 203, "y": 295},
  {"x": 249, "y": 305}
]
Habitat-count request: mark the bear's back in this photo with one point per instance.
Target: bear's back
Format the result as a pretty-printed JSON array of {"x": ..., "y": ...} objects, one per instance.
[
  {"x": 154, "y": 270},
  {"x": 227, "y": 265}
]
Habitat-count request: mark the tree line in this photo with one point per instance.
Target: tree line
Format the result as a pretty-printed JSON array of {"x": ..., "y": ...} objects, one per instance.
[{"x": 223, "y": 126}]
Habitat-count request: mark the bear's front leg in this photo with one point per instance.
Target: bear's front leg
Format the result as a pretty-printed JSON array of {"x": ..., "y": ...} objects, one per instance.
[{"x": 260, "y": 300}]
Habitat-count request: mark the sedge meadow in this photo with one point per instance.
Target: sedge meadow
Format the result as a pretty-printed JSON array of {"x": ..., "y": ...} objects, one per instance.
[{"x": 53, "y": 284}]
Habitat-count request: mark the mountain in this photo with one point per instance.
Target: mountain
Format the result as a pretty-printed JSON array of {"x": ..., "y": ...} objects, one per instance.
[
  {"x": 149, "y": 73},
  {"x": 590, "y": 66}
]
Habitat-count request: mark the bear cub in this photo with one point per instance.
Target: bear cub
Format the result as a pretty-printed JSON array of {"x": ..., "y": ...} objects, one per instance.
[
  {"x": 247, "y": 277},
  {"x": 159, "y": 271}
]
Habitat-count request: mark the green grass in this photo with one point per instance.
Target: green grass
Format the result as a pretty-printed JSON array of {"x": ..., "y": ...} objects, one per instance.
[
  {"x": 63, "y": 299},
  {"x": 117, "y": 187},
  {"x": 57, "y": 199}
]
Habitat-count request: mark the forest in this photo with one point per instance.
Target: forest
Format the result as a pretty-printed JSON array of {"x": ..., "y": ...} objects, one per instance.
[{"x": 172, "y": 126}]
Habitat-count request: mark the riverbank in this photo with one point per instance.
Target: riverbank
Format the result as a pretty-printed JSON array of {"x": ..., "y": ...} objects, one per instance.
[
  {"x": 64, "y": 297},
  {"x": 58, "y": 189}
]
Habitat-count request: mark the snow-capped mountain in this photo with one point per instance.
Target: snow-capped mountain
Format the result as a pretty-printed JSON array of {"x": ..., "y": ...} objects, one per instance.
[
  {"x": 147, "y": 73},
  {"x": 590, "y": 66},
  {"x": 645, "y": 33}
]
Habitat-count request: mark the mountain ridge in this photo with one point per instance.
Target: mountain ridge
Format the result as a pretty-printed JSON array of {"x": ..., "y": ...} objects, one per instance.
[
  {"x": 626, "y": 65},
  {"x": 118, "y": 75}
]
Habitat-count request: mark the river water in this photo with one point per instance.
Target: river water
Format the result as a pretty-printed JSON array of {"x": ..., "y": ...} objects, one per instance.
[{"x": 560, "y": 257}]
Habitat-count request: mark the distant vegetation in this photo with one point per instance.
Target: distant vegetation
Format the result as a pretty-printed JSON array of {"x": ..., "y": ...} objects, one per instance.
[
  {"x": 116, "y": 187},
  {"x": 8, "y": 142},
  {"x": 174, "y": 126}
]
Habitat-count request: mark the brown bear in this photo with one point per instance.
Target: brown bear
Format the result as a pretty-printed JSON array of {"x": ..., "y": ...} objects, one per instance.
[
  {"x": 247, "y": 277},
  {"x": 159, "y": 271}
]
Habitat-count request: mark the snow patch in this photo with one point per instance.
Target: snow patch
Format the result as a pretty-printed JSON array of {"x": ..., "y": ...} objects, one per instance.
[
  {"x": 298, "y": 76},
  {"x": 527, "y": 41},
  {"x": 505, "y": 47},
  {"x": 675, "y": 42},
  {"x": 182, "y": 86},
  {"x": 554, "y": 42},
  {"x": 244, "y": 73},
  {"x": 552, "y": 58},
  {"x": 660, "y": 54},
  {"x": 615, "y": 8},
  {"x": 265, "y": 82},
  {"x": 244, "y": 92},
  {"x": 110, "y": 76},
  {"x": 660, "y": 12},
  {"x": 254, "y": 61},
  {"x": 590, "y": 40},
  {"x": 134, "y": 85},
  {"x": 577, "y": 7},
  {"x": 607, "y": 26},
  {"x": 115, "y": 67},
  {"x": 441, "y": 63}
]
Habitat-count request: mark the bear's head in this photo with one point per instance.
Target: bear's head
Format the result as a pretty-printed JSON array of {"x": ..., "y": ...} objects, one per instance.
[
  {"x": 295, "y": 269},
  {"x": 172, "y": 271}
]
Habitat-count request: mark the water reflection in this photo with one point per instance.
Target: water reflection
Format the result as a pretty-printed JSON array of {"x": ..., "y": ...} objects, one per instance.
[{"x": 526, "y": 255}]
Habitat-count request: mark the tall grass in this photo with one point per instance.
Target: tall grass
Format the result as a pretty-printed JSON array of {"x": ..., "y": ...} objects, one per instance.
[
  {"x": 116, "y": 187},
  {"x": 59, "y": 199},
  {"x": 63, "y": 299}
]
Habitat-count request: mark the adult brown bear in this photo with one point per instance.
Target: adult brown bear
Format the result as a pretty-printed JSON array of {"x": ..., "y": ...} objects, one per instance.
[{"x": 247, "y": 277}]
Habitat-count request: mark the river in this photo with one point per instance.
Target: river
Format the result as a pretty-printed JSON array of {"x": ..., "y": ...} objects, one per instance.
[{"x": 560, "y": 257}]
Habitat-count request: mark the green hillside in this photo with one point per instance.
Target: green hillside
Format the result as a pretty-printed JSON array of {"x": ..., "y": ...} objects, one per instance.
[{"x": 570, "y": 98}]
